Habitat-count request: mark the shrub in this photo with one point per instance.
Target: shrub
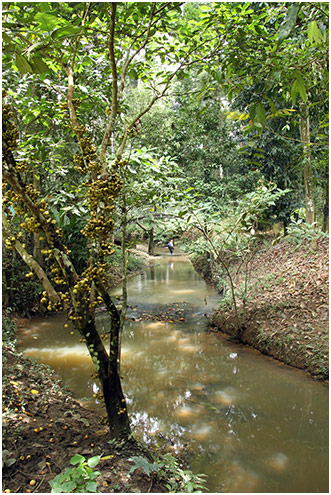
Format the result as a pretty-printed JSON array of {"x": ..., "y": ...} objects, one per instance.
[{"x": 79, "y": 479}]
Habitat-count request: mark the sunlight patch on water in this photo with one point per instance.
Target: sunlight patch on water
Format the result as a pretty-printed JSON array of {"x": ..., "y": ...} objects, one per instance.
[
  {"x": 155, "y": 325},
  {"x": 79, "y": 351},
  {"x": 226, "y": 397},
  {"x": 186, "y": 412},
  {"x": 201, "y": 433},
  {"x": 76, "y": 355},
  {"x": 278, "y": 462},
  {"x": 243, "y": 479},
  {"x": 183, "y": 291},
  {"x": 170, "y": 339},
  {"x": 187, "y": 348}
]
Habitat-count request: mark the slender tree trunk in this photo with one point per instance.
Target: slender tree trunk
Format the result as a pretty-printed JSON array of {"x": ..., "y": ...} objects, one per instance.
[
  {"x": 36, "y": 236},
  {"x": 326, "y": 209},
  {"x": 124, "y": 274},
  {"x": 151, "y": 241},
  {"x": 308, "y": 169}
]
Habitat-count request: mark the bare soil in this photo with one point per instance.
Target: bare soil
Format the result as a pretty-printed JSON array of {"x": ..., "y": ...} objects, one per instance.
[{"x": 286, "y": 315}]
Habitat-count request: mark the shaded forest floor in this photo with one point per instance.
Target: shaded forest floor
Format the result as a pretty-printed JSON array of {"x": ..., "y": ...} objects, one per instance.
[{"x": 286, "y": 313}]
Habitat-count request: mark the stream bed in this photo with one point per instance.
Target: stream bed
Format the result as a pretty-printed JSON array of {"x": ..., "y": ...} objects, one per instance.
[{"x": 248, "y": 423}]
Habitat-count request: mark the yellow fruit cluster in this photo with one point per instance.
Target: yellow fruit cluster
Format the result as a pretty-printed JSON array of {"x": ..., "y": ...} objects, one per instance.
[
  {"x": 97, "y": 225},
  {"x": 22, "y": 166},
  {"x": 11, "y": 198},
  {"x": 106, "y": 248},
  {"x": 63, "y": 105},
  {"x": 31, "y": 225},
  {"x": 104, "y": 190},
  {"x": 10, "y": 243},
  {"x": 10, "y": 132},
  {"x": 32, "y": 192}
]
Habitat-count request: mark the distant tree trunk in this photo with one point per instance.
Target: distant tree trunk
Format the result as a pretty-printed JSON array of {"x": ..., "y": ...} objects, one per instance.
[
  {"x": 308, "y": 169},
  {"x": 326, "y": 209},
  {"x": 151, "y": 241},
  {"x": 36, "y": 236}
]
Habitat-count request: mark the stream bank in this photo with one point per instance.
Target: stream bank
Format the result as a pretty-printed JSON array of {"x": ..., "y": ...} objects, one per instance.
[{"x": 286, "y": 313}]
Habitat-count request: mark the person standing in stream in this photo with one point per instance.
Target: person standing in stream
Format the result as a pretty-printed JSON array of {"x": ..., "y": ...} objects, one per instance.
[{"x": 171, "y": 246}]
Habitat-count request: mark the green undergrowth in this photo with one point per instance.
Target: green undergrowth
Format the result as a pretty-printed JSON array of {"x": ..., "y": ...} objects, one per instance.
[{"x": 167, "y": 468}]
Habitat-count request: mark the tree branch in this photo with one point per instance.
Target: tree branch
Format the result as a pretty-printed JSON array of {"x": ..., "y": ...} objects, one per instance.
[
  {"x": 31, "y": 263},
  {"x": 114, "y": 97}
]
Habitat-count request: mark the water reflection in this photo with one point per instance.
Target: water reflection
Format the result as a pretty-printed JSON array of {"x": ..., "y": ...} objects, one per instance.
[{"x": 250, "y": 424}]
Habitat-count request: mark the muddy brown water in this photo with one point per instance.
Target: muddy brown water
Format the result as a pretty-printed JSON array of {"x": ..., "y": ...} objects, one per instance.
[{"x": 247, "y": 422}]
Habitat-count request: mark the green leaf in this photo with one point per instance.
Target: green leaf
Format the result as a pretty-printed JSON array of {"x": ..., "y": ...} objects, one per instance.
[
  {"x": 44, "y": 7},
  {"x": 68, "y": 487},
  {"x": 294, "y": 90},
  {"x": 286, "y": 28},
  {"x": 47, "y": 21},
  {"x": 63, "y": 32},
  {"x": 314, "y": 34},
  {"x": 91, "y": 486},
  {"x": 133, "y": 74},
  {"x": 301, "y": 87},
  {"x": 272, "y": 106},
  {"x": 93, "y": 461},
  {"x": 219, "y": 75},
  {"x": 38, "y": 65},
  {"x": 260, "y": 113},
  {"x": 77, "y": 459},
  {"x": 141, "y": 462},
  {"x": 252, "y": 111},
  {"x": 23, "y": 65}
]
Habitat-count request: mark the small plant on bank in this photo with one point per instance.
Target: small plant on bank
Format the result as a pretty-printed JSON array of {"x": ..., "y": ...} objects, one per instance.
[
  {"x": 141, "y": 462},
  {"x": 7, "y": 459},
  {"x": 181, "y": 480},
  {"x": 232, "y": 244},
  {"x": 9, "y": 329},
  {"x": 178, "y": 480},
  {"x": 299, "y": 232},
  {"x": 78, "y": 479}
]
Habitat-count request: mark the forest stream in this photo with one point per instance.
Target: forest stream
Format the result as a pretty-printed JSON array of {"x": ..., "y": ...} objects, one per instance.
[{"x": 246, "y": 421}]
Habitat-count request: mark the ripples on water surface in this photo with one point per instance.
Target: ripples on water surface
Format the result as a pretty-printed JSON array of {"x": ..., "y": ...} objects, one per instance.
[{"x": 250, "y": 424}]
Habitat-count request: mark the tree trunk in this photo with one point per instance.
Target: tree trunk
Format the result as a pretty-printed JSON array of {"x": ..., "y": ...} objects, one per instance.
[
  {"x": 151, "y": 242},
  {"x": 36, "y": 236},
  {"x": 308, "y": 169},
  {"x": 107, "y": 370},
  {"x": 326, "y": 209}
]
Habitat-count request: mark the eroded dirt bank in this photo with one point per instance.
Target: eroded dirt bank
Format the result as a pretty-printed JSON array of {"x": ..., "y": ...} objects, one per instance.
[{"x": 286, "y": 314}]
